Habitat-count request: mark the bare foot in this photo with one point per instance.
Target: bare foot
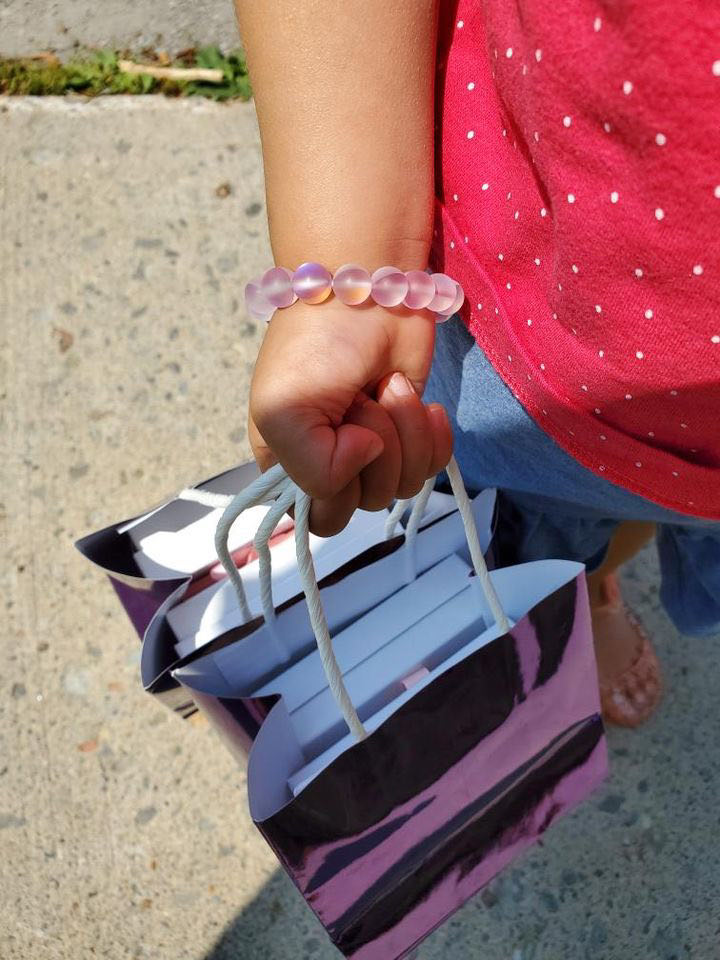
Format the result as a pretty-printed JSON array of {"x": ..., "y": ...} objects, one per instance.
[{"x": 628, "y": 669}]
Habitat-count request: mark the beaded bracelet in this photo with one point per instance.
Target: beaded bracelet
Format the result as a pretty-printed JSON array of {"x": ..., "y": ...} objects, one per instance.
[{"x": 388, "y": 287}]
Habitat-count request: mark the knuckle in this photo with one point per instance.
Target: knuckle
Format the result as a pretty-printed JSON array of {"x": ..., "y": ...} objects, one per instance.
[
  {"x": 376, "y": 501},
  {"x": 328, "y": 525},
  {"x": 325, "y": 528},
  {"x": 263, "y": 412},
  {"x": 441, "y": 461},
  {"x": 270, "y": 401},
  {"x": 319, "y": 488},
  {"x": 409, "y": 488}
]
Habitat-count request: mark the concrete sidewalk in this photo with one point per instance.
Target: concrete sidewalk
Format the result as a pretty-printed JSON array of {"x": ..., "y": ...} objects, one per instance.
[
  {"x": 128, "y": 230},
  {"x": 28, "y": 26}
]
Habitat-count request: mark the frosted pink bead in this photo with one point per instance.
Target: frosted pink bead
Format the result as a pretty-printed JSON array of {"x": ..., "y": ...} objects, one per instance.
[
  {"x": 389, "y": 286},
  {"x": 443, "y": 315},
  {"x": 351, "y": 284},
  {"x": 276, "y": 284},
  {"x": 445, "y": 292},
  {"x": 312, "y": 282},
  {"x": 421, "y": 289},
  {"x": 258, "y": 305}
]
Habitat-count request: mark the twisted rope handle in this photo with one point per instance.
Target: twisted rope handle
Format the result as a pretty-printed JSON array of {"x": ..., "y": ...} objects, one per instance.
[
  {"x": 277, "y": 487},
  {"x": 394, "y": 517},
  {"x": 318, "y": 619},
  {"x": 261, "y": 543},
  {"x": 476, "y": 554},
  {"x": 416, "y": 515},
  {"x": 266, "y": 487}
]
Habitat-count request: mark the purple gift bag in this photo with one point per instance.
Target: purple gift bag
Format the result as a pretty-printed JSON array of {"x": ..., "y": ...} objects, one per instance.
[
  {"x": 399, "y": 766},
  {"x": 154, "y": 567}
]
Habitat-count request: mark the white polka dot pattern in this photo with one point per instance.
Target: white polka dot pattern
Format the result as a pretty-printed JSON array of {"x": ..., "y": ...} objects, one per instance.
[{"x": 601, "y": 309}]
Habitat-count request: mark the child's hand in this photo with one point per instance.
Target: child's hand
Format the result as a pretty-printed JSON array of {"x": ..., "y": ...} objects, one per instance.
[{"x": 335, "y": 398}]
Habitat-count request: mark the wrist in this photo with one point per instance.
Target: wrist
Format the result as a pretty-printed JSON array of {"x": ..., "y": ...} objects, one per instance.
[{"x": 406, "y": 253}]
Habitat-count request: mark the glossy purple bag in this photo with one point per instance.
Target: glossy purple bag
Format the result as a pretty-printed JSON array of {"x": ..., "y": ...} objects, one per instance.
[
  {"x": 403, "y": 764},
  {"x": 156, "y": 568},
  {"x": 147, "y": 588}
]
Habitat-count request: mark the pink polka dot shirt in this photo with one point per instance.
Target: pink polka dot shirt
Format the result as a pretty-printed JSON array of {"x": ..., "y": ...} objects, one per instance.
[{"x": 578, "y": 203}]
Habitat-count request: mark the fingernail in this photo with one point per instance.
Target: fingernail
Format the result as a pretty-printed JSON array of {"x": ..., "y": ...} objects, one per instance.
[
  {"x": 437, "y": 410},
  {"x": 400, "y": 386}
]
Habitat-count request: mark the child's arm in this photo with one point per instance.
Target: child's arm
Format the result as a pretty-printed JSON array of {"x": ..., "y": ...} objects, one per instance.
[{"x": 344, "y": 93}]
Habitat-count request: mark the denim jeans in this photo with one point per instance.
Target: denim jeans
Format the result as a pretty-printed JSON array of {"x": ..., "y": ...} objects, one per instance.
[{"x": 555, "y": 507}]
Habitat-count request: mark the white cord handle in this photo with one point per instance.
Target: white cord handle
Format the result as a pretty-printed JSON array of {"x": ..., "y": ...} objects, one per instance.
[
  {"x": 317, "y": 617},
  {"x": 394, "y": 518},
  {"x": 476, "y": 554},
  {"x": 261, "y": 543},
  {"x": 277, "y": 487},
  {"x": 265, "y": 488},
  {"x": 416, "y": 515}
]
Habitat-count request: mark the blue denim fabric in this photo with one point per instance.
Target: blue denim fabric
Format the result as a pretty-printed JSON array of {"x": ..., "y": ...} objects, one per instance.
[{"x": 558, "y": 508}]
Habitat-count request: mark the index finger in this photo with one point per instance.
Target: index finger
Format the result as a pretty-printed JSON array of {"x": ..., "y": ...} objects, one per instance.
[{"x": 321, "y": 458}]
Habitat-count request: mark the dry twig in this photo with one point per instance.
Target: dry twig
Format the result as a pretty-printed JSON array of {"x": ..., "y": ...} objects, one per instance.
[{"x": 172, "y": 73}]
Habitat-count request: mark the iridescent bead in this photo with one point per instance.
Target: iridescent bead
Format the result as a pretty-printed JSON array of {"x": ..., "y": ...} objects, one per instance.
[
  {"x": 351, "y": 284},
  {"x": 421, "y": 289},
  {"x": 276, "y": 284},
  {"x": 312, "y": 282},
  {"x": 389, "y": 286},
  {"x": 443, "y": 315},
  {"x": 258, "y": 305},
  {"x": 445, "y": 292}
]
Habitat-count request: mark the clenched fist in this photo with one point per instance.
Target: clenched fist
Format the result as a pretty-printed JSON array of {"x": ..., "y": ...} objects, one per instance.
[{"x": 335, "y": 398}]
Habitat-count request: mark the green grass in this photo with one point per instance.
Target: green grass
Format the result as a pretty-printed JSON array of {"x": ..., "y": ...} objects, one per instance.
[{"x": 97, "y": 74}]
